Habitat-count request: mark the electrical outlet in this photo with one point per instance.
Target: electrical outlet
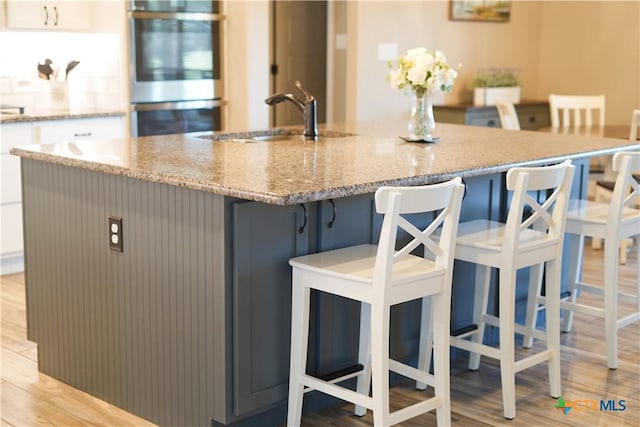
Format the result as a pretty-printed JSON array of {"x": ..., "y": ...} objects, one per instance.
[{"x": 115, "y": 234}]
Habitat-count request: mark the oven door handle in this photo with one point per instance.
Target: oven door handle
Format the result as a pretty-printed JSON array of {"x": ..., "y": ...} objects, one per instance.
[
  {"x": 178, "y": 16},
  {"x": 181, "y": 105}
]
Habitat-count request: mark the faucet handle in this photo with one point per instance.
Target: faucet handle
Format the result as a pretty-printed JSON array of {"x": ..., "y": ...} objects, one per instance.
[{"x": 307, "y": 95}]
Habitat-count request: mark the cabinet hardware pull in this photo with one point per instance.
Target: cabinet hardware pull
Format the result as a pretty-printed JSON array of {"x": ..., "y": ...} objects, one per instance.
[
  {"x": 55, "y": 9},
  {"x": 532, "y": 119},
  {"x": 304, "y": 224},
  {"x": 46, "y": 16},
  {"x": 335, "y": 213},
  {"x": 79, "y": 134},
  {"x": 491, "y": 123},
  {"x": 464, "y": 190}
]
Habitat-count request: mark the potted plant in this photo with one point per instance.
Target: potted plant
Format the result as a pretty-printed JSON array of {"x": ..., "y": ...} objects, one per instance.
[{"x": 496, "y": 83}]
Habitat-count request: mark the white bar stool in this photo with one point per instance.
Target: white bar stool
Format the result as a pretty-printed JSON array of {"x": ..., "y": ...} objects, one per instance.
[
  {"x": 613, "y": 222},
  {"x": 520, "y": 243},
  {"x": 604, "y": 188},
  {"x": 379, "y": 277}
]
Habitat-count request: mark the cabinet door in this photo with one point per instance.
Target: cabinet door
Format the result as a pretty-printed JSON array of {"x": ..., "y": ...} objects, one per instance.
[
  {"x": 70, "y": 15},
  {"x": 483, "y": 199},
  {"x": 265, "y": 237},
  {"x": 12, "y": 134},
  {"x": 28, "y": 14},
  {"x": 334, "y": 337},
  {"x": 11, "y": 229},
  {"x": 51, "y": 132},
  {"x": 48, "y": 15}
]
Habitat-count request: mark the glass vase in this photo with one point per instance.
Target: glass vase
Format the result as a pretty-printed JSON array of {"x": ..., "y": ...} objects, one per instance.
[{"x": 422, "y": 124}]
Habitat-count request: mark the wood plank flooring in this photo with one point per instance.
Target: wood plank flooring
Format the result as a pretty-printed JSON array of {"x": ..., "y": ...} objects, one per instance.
[{"x": 30, "y": 398}]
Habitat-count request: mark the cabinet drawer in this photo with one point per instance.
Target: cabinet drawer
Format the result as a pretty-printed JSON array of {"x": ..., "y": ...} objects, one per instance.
[
  {"x": 11, "y": 227},
  {"x": 534, "y": 118},
  {"x": 11, "y": 181},
  {"x": 78, "y": 130},
  {"x": 13, "y": 134},
  {"x": 486, "y": 120}
]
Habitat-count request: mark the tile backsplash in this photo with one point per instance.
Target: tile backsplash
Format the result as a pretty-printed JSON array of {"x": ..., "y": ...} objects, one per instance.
[{"x": 96, "y": 82}]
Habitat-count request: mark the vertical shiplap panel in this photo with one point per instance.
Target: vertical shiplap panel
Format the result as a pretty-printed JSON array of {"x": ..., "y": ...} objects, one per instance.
[
  {"x": 134, "y": 328},
  {"x": 182, "y": 216},
  {"x": 162, "y": 209}
]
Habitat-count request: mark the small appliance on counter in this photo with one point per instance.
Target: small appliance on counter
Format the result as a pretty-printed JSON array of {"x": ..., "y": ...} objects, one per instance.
[{"x": 176, "y": 63}]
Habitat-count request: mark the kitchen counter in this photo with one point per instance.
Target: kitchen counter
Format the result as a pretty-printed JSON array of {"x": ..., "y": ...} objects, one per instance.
[
  {"x": 74, "y": 113},
  {"x": 186, "y": 319},
  {"x": 297, "y": 171}
]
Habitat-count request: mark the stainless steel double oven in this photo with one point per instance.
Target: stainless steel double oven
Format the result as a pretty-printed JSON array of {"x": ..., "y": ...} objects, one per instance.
[{"x": 176, "y": 66}]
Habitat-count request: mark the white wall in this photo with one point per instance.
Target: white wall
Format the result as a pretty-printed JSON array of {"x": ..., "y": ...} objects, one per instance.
[
  {"x": 246, "y": 73},
  {"x": 592, "y": 48}
]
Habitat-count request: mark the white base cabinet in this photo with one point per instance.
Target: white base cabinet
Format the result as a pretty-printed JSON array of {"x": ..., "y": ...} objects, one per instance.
[{"x": 39, "y": 132}]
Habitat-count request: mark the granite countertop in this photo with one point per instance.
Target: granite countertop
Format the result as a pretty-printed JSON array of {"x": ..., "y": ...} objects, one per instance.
[
  {"x": 74, "y": 113},
  {"x": 288, "y": 172}
]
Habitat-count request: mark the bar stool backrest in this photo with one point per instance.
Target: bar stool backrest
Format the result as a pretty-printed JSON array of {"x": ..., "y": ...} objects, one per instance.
[
  {"x": 626, "y": 192},
  {"x": 393, "y": 202},
  {"x": 548, "y": 217}
]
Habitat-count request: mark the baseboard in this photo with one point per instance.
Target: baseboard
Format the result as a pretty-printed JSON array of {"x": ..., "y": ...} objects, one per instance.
[{"x": 11, "y": 264}]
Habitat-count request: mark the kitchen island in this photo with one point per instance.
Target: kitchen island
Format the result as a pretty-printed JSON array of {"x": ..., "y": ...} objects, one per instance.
[{"x": 189, "y": 324}]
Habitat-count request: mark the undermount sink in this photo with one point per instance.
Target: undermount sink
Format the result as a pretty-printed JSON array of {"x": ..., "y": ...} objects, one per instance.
[{"x": 272, "y": 135}]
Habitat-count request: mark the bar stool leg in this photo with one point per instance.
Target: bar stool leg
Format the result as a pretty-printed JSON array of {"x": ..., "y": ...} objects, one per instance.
[
  {"x": 380, "y": 363},
  {"x": 364, "y": 355},
  {"x": 611, "y": 302},
  {"x": 507, "y": 341},
  {"x": 426, "y": 340},
  {"x": 481, "y": 300},
  {"x": 553, "y": 279},
  {"x": 441, "y": 363},
  {"x": 535, "y": 287},
  {"x": 299, "y": 339},
  {"x": 574, "y": 275}
]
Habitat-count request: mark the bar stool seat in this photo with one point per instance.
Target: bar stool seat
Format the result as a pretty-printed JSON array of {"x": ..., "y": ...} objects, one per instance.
[
  {"x": 379, "y": 277},
  {"x": 518, "y": 243}
]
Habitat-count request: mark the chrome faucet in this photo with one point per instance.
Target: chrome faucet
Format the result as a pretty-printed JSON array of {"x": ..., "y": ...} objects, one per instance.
[{"x": 308, "y": 108}]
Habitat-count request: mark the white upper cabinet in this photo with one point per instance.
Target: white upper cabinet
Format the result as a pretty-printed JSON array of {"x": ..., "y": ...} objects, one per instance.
[{"x": 61, "y": 15}]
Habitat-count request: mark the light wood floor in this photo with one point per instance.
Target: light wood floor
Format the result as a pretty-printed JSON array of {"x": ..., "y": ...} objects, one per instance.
[{"x": 30, "y": 398}]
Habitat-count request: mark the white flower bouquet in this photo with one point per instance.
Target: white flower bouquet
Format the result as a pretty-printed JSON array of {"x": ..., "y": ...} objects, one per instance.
[{"x": 422, "y": 71}]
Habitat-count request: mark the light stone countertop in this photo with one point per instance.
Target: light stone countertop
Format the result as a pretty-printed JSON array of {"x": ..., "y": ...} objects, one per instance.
[
  {"x": 70, "y": 114},
  {"x": 297, "y": 171}
]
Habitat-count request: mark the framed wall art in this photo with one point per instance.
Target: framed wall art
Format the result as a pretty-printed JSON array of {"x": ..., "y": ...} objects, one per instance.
[{"x": 480, "y": 10}]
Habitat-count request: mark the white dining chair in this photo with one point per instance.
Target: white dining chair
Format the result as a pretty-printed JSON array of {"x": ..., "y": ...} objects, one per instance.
[
  {"x": 613, "y": 222},
  {"x": 380, "y": 277},
  {"x": 531, "y": 237},
  {"x": 577, "y": 110},
  {"x": 508, "y": 116}
]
